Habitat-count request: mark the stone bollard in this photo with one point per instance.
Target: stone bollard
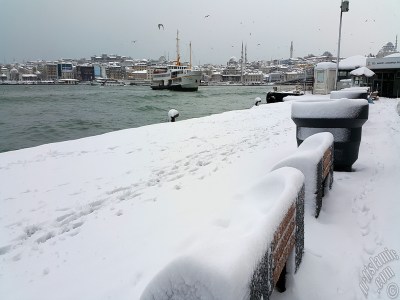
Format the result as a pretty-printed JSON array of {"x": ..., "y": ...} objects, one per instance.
[
  {"x": 173, "y": 114},
  {"x": 257, "y": 101}
]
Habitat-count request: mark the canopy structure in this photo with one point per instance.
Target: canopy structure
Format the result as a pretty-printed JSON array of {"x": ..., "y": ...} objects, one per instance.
[
  {"x": 363, "y": 71},
  {"x": 353, "y": 62}
]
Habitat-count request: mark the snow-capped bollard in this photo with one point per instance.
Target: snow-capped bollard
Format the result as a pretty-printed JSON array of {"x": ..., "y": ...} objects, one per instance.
[
  {"x": 173, "y": 114},
  {"x": 258, "y": 101}
]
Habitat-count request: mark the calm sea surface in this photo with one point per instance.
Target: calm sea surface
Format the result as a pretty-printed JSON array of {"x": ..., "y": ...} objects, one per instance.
[{"x": 35, "y": 115}]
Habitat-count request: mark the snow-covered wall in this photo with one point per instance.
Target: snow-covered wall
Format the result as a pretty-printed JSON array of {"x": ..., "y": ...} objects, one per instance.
[
  {"x": 211, "y": 270},
  {"x": 350, "y": 93},
  {"x": 308, "y": 158}
]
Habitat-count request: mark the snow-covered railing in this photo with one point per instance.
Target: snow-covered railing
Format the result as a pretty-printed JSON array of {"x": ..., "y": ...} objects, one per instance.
[
  {"x": 314, "y": 157},
  {"x": 342, "y": 117},
  {"x": 245, "y": 259}
]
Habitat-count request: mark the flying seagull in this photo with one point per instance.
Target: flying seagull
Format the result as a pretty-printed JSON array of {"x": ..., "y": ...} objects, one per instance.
[
  {"x": 133, "y": 42},
  {"x": 160, "y": 25},
  {"x": 207, "y": 16}
]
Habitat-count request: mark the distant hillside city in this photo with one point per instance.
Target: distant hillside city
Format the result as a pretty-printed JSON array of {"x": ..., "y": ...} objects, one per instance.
[{"x": 140, "y": 71}]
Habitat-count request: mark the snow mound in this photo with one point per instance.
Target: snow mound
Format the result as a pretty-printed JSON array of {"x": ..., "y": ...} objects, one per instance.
[
  {"x": 212, "y": 270},
  {"x": 335, "y": 109}
]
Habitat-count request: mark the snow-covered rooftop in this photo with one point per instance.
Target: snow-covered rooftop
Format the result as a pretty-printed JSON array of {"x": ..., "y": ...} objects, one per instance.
[
  {"x": 325, "y": 65},
  {"x": 393, "y": 55},
  {"x": 362, "y": 71},
  {"x": 353, "y": 62}
]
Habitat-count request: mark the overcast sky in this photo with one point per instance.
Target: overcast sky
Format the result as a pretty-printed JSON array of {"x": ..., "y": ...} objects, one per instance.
[{"x": 53, "y": 29}]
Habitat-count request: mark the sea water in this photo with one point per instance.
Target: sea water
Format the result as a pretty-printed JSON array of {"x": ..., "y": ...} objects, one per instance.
[{"x": 32, "y": 115}]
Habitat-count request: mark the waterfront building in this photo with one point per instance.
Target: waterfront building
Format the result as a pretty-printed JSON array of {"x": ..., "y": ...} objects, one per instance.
[
  {"x": 115, "y": 72},
  {"x": 137, "y": 75},
  {"x": 105, "y": 58},
  {"x": 387, "y": 75},
  {"x": 253, "y": 78},
  {"x": 27, "y": 78},
  {"x": 100, "y": 71},
  {"x": 14, "y": 74},
  {"x": 5, "y": 74},
  {"x": 141, "y": 66},
  {"x": 50, "y": 71},
  {"x": 275, "y": 76},
  {"x": 293, "y": 75},
  {"x": 65, "y": 71},
  {"x": 216, "y": 77},
  {"x": 85, "y": 73}
]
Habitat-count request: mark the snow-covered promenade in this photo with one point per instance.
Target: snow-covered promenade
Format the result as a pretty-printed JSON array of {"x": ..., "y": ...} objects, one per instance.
[{"x": 99, "y": 217}]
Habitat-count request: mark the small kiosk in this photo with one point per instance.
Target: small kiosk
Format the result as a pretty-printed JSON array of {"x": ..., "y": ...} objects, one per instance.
[{"x": 324, "y": 78}]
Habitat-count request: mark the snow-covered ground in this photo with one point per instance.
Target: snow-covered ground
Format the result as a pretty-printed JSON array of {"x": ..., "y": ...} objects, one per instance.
[{"x": 98, "y": 218}]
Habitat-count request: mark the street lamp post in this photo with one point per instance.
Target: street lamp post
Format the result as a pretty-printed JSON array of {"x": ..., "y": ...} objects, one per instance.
[{"x": 344, "y": 7}]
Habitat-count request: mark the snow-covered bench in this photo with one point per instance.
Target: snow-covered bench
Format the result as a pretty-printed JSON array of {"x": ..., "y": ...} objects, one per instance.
[
  {"x": 245, "y": 259},
  {"x": 314, "y": 157}
]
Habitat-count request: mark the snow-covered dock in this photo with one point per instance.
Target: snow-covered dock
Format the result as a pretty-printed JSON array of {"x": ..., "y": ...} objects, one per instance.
[{"x": 100, "y": 217}]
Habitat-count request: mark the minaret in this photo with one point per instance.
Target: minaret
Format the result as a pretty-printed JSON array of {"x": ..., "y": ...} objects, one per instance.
[
  {"x": 241, "y": 66},
  {"x": 291, "y": 49},
  {"x": 395, "y": 47},
  {"x": 178, "y": 57},
  {"x": 245, "y": 55}
]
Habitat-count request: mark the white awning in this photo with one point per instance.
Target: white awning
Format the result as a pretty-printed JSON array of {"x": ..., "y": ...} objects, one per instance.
[{"x": 363, "y": 71}]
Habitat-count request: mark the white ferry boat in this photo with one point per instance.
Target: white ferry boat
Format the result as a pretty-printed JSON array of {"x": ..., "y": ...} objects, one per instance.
[{"x": 176, "y": 77}]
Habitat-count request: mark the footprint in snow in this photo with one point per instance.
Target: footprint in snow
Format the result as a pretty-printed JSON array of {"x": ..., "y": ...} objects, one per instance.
[{"x": 5, "y": 249}]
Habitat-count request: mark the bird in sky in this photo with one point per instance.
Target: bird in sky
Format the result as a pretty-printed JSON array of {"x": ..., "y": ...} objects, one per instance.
[
  {"x": 160, "y": 26},
  {"x": 206, "y": 16},
  {"x": 258, "y": 44},
  {"x": 133, "y": 42}
]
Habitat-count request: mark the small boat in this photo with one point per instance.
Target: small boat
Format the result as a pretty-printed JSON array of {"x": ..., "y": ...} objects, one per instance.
[
  {"x": 107, "y": 82},
  {"x": 176, "y": 77}
]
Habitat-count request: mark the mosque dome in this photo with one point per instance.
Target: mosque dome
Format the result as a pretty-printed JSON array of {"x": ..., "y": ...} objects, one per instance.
[{"x": 233, "y": 60}]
